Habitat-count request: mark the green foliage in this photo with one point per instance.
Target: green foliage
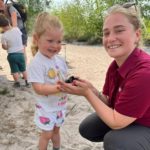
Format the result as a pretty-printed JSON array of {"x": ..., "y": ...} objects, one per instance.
[
  {"x": 82, "y": 19},
  {"x": 146, "y": 36},
  {"x": 33, "y": 8}
]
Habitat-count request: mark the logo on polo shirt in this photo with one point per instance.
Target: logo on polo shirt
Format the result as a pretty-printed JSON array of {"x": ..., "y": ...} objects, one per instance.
[{"x": 120, "y": 89}]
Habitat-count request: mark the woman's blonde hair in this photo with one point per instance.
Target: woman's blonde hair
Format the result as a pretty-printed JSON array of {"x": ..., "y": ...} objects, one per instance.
[
  {"x": 132, "y": 13},
  {"x": 44, "y": 22}
]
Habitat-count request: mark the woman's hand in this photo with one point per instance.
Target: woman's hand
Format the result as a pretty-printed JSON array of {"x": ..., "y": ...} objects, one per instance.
[
  {"x": 90, "y": 85},
  {"x": 77, "y": 87}
]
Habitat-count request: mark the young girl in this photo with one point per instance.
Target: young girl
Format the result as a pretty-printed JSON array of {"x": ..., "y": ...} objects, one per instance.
[{"x": 44, "y": 71}]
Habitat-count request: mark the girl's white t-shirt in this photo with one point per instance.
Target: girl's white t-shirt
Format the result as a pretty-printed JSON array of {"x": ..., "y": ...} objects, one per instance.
[{"x": 48, "y": 70}]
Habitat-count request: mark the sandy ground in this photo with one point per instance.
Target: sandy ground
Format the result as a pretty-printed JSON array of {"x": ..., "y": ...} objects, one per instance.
[{"x": 17, "y": 129}]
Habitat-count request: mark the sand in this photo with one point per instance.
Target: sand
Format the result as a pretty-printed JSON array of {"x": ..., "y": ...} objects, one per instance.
[{"x": 17, "y": 129}]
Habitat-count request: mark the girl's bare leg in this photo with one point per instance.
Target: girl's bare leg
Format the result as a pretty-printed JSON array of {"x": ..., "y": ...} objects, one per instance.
[
  {"x": 44, "y": 139},
  {"x": 56, "y": 137}
]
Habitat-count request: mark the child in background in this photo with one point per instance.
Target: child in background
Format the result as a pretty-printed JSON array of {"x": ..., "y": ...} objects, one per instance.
[
  {"x": 12, "y": 42},
  {"x": 45, "y": 70},
  {"x": 15, "y": 20}
]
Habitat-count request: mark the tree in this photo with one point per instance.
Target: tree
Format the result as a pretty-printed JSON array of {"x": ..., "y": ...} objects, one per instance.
[
  {"x": 82, "y": 19},
  {"x": 33, "y": 8}
]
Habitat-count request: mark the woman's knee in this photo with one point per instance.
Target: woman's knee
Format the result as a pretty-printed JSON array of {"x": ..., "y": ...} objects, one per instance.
[
  {"x": 93, "y": 129},
  {"x": 83, "y": 130}
]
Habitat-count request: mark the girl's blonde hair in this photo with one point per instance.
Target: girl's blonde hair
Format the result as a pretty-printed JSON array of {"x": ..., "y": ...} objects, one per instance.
[
  {"x": 44, "y": 22},
  {"x": 132, "y": 13}
]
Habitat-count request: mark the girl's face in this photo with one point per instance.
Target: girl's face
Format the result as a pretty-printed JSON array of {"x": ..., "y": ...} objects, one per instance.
[
  {"x": 119, "y": 37},
  {"x": 49, "y": 43}
]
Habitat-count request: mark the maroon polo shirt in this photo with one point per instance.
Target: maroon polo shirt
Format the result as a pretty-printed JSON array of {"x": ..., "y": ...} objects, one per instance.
[{"x": 128, "y": 87}]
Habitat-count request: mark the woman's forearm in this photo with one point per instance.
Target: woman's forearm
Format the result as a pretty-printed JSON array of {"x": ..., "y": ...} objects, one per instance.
[
  {"x": 101, "y": 96},
  {"x": 103, "y": 111},
  {"x": 112, "y": 118}
]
